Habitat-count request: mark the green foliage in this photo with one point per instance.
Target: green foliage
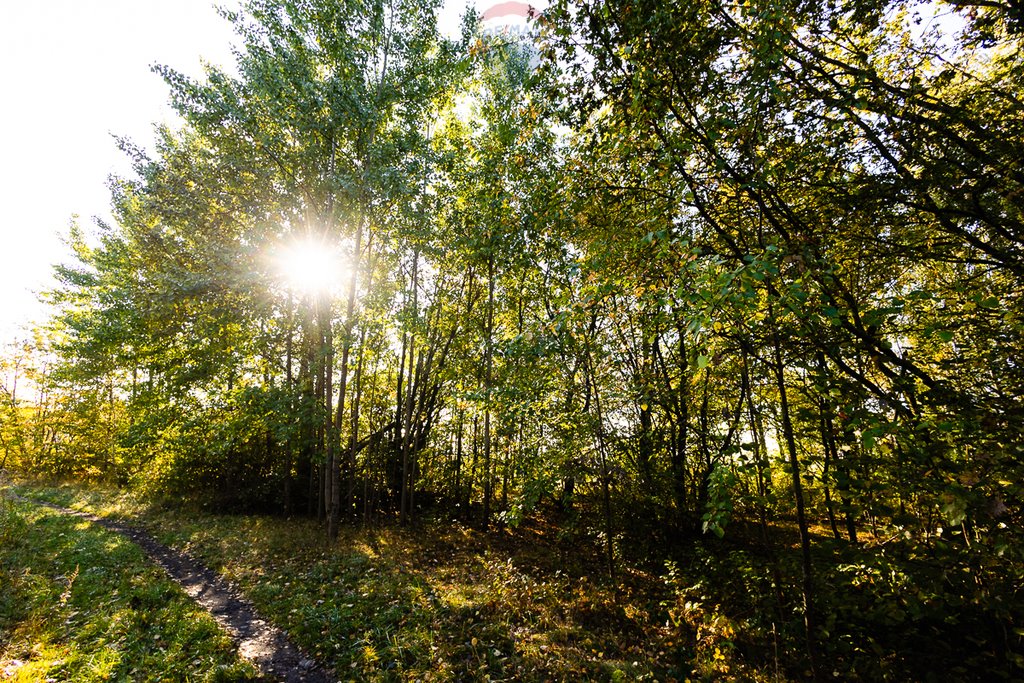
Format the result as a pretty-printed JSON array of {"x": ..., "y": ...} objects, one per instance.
[
  {"x": 706, "y": 266},
  {"x": 719, "y": 505}
]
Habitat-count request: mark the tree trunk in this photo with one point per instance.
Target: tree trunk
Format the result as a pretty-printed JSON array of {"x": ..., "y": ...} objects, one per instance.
[
  {"x": 332, "y": 486},
  {"x": 350, "y": 459},
  {"x": 457, "y": 488},
  {"x": 488, "y": 370},
  {"x": 346, "y": 345},
  {"x": 606, "y": 482},
  {"x": 405, "y": 496},
  {"x": 798, "y": 494}
]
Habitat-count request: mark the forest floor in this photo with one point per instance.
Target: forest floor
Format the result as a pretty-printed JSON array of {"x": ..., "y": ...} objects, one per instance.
[
  {"x": 438, "y": 601},
  {"x": 441, "y": 600}
]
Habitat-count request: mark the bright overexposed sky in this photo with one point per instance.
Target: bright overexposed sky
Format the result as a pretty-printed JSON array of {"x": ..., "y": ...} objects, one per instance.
[{"x": 74, "y": 74}]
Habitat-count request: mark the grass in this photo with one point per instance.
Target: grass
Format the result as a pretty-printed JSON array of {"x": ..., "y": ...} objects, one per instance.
[
  {"x": 434, "y": 603},
  {"x": 78, "y": 603},
  {"x": 445, "y": 602}
]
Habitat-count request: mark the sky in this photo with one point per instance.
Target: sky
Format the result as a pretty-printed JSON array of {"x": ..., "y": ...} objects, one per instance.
[{"x": 73, "y": 75}]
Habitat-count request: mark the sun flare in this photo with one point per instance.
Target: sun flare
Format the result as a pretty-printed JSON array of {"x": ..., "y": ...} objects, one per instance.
[{"x": 310, "y": 266}]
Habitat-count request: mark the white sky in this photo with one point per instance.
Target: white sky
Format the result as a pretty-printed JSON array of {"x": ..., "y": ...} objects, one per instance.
[{"x": 73, "y": 74}]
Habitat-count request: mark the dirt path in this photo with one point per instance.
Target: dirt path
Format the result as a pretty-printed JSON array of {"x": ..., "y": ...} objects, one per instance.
[{"x": 259, "y": 642}]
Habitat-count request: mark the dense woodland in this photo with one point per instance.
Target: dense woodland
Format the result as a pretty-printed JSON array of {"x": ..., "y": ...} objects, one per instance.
[{"x": 672, "y": 274}]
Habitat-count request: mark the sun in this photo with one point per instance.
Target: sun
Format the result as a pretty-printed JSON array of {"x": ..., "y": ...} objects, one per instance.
[{"x": 310, "y": 266}]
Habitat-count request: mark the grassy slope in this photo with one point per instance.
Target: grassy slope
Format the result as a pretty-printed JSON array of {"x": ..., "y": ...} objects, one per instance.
[{"x": 78, "y": 603}]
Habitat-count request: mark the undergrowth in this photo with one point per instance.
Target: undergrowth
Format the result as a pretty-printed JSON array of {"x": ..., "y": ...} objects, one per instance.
[
  {"x": 442, "y": 601},
  {"x": 438, "y": 602}
]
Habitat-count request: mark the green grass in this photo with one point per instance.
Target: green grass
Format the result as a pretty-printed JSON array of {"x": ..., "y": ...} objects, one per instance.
[
  {"x": 78, "y": 603},
  {"x": 435, "y": 603},
  {"x": 441, "y": 601}
]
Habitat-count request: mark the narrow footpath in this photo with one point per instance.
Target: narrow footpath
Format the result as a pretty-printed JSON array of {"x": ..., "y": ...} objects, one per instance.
[{"x": 258, "y": 641}]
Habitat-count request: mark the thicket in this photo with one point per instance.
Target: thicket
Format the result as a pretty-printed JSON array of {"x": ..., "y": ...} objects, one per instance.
[{"x": 673, "y": 266}]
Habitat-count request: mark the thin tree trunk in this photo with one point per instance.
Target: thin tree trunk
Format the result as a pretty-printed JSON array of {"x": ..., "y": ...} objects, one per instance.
[
  {"x": 346, "y": 346},
  {"x": 406, "y": 422},
  {"x": 488, "y": 369},
  {"x": 798, "y": 494},
  {"x": 316, "y": 368},
  {"x": 354, "y": 427},
  {"x": 457, "y": 492},
  {"x": 290, "y": 445},
  {"x": 409, "y": 436},
  {"x": 473, "y": 466},
  {"x": 826, "y": 466},
  {"x": 396, "y": 449},
  {"x": 602, "y": 452},
  {"x": 762, "y": 470},
  {"x": 331, "y": 484}
]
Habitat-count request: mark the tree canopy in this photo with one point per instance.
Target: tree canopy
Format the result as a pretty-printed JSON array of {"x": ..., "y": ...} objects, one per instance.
[{"x": 669, "y": 270}]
